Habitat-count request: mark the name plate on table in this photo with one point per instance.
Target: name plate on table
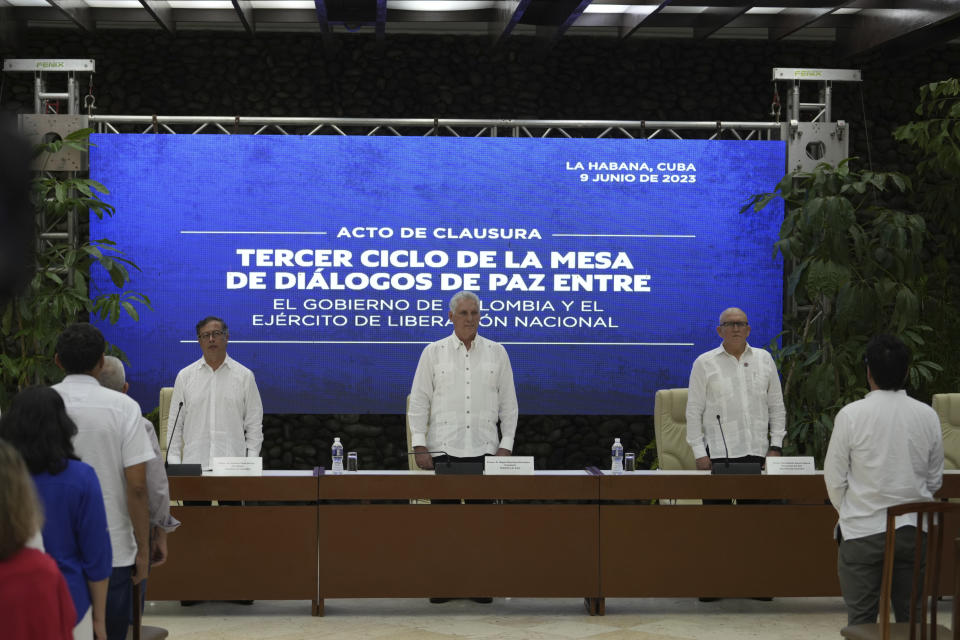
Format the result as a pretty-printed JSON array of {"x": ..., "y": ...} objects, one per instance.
[
  {"x": 237, "y": 467},
  {"x": 790, "y": 466},
  {"x": 508, "y": 466}
]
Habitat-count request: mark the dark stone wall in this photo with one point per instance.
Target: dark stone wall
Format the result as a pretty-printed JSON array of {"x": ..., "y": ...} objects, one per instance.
[
  {"x": 557, "y": 442},
  {"x": 446, "y": 76}
]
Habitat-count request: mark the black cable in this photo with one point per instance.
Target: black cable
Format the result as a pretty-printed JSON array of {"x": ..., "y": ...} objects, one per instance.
[{"x": 866, "y": 130}]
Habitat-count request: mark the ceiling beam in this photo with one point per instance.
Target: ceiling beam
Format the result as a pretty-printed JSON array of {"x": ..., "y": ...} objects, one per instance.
[
  {"x": 10, "y": 27},
  {"x": 509, "y": 15},
  {"x": 805, "y": 4},
  {"x": 636, "y": 16},
  {"x": 245, "y": 12},
  {"x": 550, "y": 34},
  {"x": 471, "y": 15},
  {"x": 715, "y": 18},
  {"x": 323, "y": 21},
  {"x": 782, "y": 25},
  {"x": 786, "y": 4},
  {"x": 77, "y": 11},
  {"x": 381, "y": 28},
  {"x": 161, "y": 11},
  {"x": 904, "y": 25}
]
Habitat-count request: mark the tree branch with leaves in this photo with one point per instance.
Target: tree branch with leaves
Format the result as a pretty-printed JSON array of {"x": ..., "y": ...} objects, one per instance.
[
  {"x": 60, "y": 291},
  {"x": 854, "y": 270}
]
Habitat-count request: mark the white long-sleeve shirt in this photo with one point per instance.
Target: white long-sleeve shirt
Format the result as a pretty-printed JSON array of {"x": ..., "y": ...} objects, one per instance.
[
  {"x": 885, "y": 449},
  {"x": 222, "y": 415},
  {"x": 745, "y": 393},
  {"x": 158, "y": 488},
  {"x": 461, "y": 394}
]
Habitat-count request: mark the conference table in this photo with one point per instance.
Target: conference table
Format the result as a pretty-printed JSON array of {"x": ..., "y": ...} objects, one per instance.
[
  {"x": 263, "y": 551},
  {"x": 302, "y": 535}
]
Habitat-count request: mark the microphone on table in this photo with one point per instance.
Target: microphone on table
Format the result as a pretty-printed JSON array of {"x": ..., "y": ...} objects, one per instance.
[
  {"x": 172, "y": 431},
  {"x": 738, "y": 467},
  {"x": 193, "y": 469},
  {"x": 726, "y": 452}
]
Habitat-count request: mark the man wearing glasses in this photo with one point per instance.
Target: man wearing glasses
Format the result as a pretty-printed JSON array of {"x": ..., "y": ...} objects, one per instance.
[
  {"x": 736, "y": 388},
  {"x": 216, "y": 406}
]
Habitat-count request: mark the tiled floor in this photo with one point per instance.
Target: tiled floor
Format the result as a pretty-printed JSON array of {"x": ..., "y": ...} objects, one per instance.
[{"x": 512, "y": 619}]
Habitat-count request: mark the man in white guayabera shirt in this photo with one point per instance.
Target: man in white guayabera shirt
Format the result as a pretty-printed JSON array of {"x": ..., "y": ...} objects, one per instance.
[
  {"x": 463, "y": 386},
  {"x": 885, "y": 450},
  {"x": 734, "y": 388},
  {"x": 216, "y": 405}
]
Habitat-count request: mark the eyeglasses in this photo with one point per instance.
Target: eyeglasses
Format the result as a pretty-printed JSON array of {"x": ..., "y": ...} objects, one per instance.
[
  {"x": 735, "y": 325},
  {"x": 212, "y": 334}
]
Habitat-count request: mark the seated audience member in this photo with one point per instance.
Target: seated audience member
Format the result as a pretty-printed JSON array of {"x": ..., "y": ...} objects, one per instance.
[
  {"x": 34, "y": 600},
  {"x": 75, "y": 532}
]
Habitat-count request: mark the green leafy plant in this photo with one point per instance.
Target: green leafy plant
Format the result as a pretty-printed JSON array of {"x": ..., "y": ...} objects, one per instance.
[
  {"x": 936, "y": 138},
  {"x": 855, "y": 270},
  {"x": 60, "y": 291},
  {"x": 648, "y": 456},
  {"x": 933, "y": 142}
]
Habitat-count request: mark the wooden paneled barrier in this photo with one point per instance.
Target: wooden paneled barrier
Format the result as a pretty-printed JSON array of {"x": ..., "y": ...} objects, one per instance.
[{"x": 554, "y": 534}]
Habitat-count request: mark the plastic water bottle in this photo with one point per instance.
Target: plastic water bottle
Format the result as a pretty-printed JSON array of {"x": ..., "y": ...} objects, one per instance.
[
  {"x": 616, "y": 456},
  {"x": 336, "y": 452}
]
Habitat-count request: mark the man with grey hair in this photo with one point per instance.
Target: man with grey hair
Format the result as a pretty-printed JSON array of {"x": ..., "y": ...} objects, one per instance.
[
  {"x": 462, "y": 387},
  {"x": 113, "y": 376},
  {"x": 736, "y": 388}
]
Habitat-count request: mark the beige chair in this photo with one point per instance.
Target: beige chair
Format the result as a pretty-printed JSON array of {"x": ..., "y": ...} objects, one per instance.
[
  {"x": 670, "y": 430},
  {"x": 947, "y": 406},
  {"x": 923, "y": 597},
  {"x": 166, "y": 395}
]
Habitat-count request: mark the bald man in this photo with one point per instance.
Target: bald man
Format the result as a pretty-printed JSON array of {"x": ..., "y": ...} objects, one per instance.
[{"x": 741, "y": 385}]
